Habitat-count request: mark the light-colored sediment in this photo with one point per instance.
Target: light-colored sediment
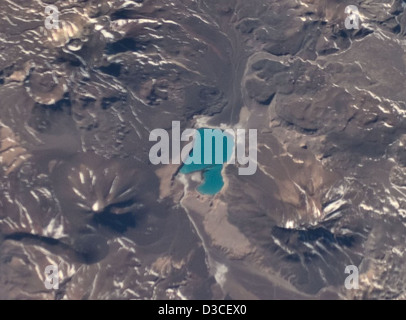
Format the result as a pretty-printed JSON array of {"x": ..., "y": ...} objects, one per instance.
[
  {"x": 220, "y": 231},
  {"x": 165, "y": 174}
]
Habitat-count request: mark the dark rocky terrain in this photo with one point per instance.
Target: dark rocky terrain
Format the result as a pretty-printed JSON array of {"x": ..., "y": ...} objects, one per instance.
[{"x": 77, "y": 189}]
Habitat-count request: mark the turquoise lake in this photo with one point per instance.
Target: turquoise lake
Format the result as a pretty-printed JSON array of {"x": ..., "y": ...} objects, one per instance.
[{"x": 212, "y": 179}]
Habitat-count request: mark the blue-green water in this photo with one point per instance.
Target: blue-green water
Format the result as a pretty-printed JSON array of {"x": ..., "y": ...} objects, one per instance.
[{"x": 213, "y": 180}]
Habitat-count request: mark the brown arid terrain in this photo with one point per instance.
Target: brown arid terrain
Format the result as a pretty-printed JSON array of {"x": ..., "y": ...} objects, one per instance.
[{"x": 78, "y": 190}]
